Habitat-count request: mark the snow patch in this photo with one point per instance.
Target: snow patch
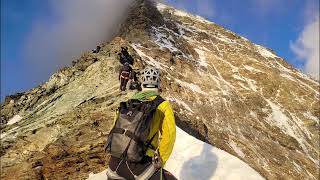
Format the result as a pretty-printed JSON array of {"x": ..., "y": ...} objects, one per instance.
[
  {"x": 182, "y": 14},
  {"x": 222, "y": 84},
  {"x": 297, "y": 166},
  {"x": 2, "y": 135},
  {"x": 14, "y": 120},
  {"x": 245, "y": 39},
  {"x": 180, "y": 102},
  {"x": 193, "y": 87},
  {"x": 281, "y": 120},
  {"x": 251, "y": 83},
  {"x": 147, "y": 58},
  {"x": 303, "y": 84},
  {"x": 236, "y": 76},
  {"x": 161, "y": 6},
  {"x": 287, "y": 76},
  {"x": 223, "y": 39},
  {"x": 307, "y": 77},
  {"x": 193, "y": 159},
  {"x": 310, "y": 116},
  {"x": 253, "y": 114},
  {"x": 243, "y": 86},
  {"x": 316, "y": 91},
  {"x": 163, "y": 40},
  {"x": 202, "y": 57},
  {"x": 11, "y": 132},
  {"x": 266, "y": 53},
  {"x": 252, "y": 69},
  {"x": 282, "y": 68},
  {"x": 183, "y": 29},
  {"x": 234, "y": 146}
]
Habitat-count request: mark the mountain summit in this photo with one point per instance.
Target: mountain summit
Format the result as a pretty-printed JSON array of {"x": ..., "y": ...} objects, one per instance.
[{"x": 227, "y": 91}]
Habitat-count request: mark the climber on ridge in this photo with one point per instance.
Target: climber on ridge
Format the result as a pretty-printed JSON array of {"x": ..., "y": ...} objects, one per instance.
[
  {"x": 124, "y": 75},
  {"x": 96, "y": 50},
  {"x": 143, "y": 135},
  {"x": 124, "y": 56}
]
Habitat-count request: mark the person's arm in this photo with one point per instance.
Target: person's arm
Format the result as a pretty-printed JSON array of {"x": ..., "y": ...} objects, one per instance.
[
  {"x": 168, "y": 133},
  {"x": 115, "y": 117},
  {"x": 120, "y": 73}
]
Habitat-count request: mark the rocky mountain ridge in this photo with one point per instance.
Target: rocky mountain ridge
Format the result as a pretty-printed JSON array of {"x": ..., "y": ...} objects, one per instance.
[{"x": 227, "y": 91}]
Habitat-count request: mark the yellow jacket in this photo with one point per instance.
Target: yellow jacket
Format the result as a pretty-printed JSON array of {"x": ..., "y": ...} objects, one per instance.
[{"x": 166, "y": 140}]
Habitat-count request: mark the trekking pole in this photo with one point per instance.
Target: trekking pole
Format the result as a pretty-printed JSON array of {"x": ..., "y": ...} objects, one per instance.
[{"x": 161, "y": 173}]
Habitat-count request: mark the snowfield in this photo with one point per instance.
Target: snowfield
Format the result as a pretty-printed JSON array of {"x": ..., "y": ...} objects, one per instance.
[{"x": 193, "y": 159}]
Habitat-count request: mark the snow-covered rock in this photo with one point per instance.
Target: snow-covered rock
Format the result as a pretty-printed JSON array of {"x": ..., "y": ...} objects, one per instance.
[{"x": 14, "y": 119}]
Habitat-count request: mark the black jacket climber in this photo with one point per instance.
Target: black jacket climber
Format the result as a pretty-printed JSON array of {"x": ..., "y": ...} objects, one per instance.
[{"x": 124, "y": 76}]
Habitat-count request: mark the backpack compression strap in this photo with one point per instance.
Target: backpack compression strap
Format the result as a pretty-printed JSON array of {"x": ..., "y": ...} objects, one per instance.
[{"x": 127, "y": 133}]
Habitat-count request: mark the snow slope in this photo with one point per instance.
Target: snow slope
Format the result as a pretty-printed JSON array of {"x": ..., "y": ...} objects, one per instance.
[{"x": 193, "y": 159}]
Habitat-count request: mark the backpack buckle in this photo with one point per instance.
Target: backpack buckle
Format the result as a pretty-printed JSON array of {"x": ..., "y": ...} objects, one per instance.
[{"x": 130, "y": 113}]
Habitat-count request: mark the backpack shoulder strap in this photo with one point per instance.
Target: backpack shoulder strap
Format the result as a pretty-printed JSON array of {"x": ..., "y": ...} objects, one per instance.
[{"x": 157, "y": 101}]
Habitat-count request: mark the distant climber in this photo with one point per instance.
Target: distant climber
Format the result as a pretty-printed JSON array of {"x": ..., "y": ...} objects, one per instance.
[
  {"x": 124, "y": 56},
  {"x": 97, "y": 50},
  {"x": 124, "y": 75},
  {"x": 143, "y": 135}
]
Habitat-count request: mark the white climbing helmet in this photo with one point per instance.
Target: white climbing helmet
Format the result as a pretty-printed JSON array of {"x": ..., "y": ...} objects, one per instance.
[{"x": 150, "y": 77}]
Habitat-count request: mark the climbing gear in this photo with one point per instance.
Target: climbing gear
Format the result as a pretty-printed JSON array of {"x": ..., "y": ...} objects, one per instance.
[
  {"x": 125, "y": 75},
  {"x": 125, "y": 71},
  {"x": 156, "y": 160},
  {"x": 128, "y": 138},
  {"x": 113, "y": 175},
  {"x": 146, "y": 174},
  {"x": 150, "y": 77}
]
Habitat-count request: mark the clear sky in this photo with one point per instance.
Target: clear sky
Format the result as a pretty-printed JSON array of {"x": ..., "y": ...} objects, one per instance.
[
  {"x": 16, "y": 24},
  {"x": 37, "y": 35}
]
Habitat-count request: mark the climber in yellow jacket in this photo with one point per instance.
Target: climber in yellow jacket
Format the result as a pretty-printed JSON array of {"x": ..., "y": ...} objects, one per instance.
[{"x": 161, "y": 136}]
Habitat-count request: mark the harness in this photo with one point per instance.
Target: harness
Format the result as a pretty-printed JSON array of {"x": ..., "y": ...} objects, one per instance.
[{"x": 125, "y": 75}]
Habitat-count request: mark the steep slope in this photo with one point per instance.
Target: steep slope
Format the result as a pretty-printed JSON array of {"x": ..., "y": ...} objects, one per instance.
[
  {"x": 253, "y": 103},
  {"x": 63, "y": 133},
  {"x": 227, "y": 91}
]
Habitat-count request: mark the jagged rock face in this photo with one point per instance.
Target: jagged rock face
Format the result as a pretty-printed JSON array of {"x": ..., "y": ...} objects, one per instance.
[
  {"x": 67, "y": 124},
  {"x": 225, "y": 90},
  {"x": 254, "y": 104}
]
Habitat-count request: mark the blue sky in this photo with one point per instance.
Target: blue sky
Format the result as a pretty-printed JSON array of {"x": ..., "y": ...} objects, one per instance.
[
  {"x": 16, "y": 22},
  {"x": 35, "y": 34}
]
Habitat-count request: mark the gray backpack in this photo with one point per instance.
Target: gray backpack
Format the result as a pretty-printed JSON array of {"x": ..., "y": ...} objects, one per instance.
[{"x": 128, "y": 138}]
